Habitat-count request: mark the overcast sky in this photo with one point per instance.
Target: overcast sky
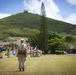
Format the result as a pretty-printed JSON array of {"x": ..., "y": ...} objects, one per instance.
[{"x": 64, "y": 10}]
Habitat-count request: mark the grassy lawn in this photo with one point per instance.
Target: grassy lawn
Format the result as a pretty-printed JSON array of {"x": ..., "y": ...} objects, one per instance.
[{"x": 44, "y": 65}]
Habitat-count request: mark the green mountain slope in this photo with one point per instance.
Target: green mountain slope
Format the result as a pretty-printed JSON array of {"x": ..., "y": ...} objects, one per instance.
[{"x": 28, "y": 20}]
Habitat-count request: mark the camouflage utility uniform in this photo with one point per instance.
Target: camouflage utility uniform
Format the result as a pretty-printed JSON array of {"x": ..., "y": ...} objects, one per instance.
[{"x": 22, "y": 54}]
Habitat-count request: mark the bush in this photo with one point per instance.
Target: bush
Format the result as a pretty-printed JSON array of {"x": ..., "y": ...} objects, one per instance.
[
  {"x": 69, "y": 39},
  {"x": 12, "y": 45},
  {"x": 3, "y": 36},
  {"x": 59, "y": 52}
]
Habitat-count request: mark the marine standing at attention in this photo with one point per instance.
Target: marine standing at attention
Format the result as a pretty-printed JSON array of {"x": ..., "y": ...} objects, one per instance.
[{"x": 22, "y": 54}]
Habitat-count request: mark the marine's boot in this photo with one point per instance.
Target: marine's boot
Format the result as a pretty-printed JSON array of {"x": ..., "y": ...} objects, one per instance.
[
  {"x": 19, "y": 69},
  {"x": 23, "y": 69}
]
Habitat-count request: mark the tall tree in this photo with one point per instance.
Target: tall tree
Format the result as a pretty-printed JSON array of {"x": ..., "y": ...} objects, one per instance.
[{"x": 43, "y": 30}]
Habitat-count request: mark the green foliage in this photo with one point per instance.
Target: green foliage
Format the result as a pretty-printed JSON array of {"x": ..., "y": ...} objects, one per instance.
[
  {"x": 53, "y": 35},
  {"x": 74, "y": 44},
  {"x": 55, "y": 42},
  {"x": 43, "y": 30},
  {"x": 25, "y": 24},
  {"x": 4, "y": 48},
  {"x": 20, "y": 32},
  {"x": 34, "y": 39},
  {"x": 59, "y": 51},
  {"x": 13, "y": 45},
  {"x": 28, "y": 20},
  {"x": 3, "y": 36},
  {"x": 11, "y": 32},
  {"x": 69, "y": 39}
]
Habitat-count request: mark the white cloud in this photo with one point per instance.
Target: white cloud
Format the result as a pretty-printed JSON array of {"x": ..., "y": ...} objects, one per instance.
[
  {"x": 71, "y": 18},
  {"x": 32, "y": 6},
  {"x": 72, "y": 2},
  {"x": 52, "y": 10},
  {"x": 2, "y": 15}
]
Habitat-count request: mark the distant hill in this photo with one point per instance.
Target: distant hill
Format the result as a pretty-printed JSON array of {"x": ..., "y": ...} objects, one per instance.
[{"x": 28, "y": 20}]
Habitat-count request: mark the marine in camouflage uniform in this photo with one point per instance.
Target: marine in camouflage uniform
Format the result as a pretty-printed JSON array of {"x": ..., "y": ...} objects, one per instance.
[{"x": 22, "y": 54}]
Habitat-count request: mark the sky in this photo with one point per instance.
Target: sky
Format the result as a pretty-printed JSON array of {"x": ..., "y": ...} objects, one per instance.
[{"x": 64, "y": 10}]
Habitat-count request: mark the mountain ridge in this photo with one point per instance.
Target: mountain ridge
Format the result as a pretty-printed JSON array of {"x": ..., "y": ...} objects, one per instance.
[{"x": 33, "y": 21}]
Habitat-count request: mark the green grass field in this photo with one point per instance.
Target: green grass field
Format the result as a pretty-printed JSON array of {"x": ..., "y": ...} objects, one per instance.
[{"x": 44, "y": 65}]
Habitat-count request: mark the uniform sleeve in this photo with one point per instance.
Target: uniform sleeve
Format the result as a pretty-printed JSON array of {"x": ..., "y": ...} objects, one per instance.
[
  {"x": 25, "y": 49},
  {"x": 26, "y": 52},
  {"x": 17, "y": 50}
]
